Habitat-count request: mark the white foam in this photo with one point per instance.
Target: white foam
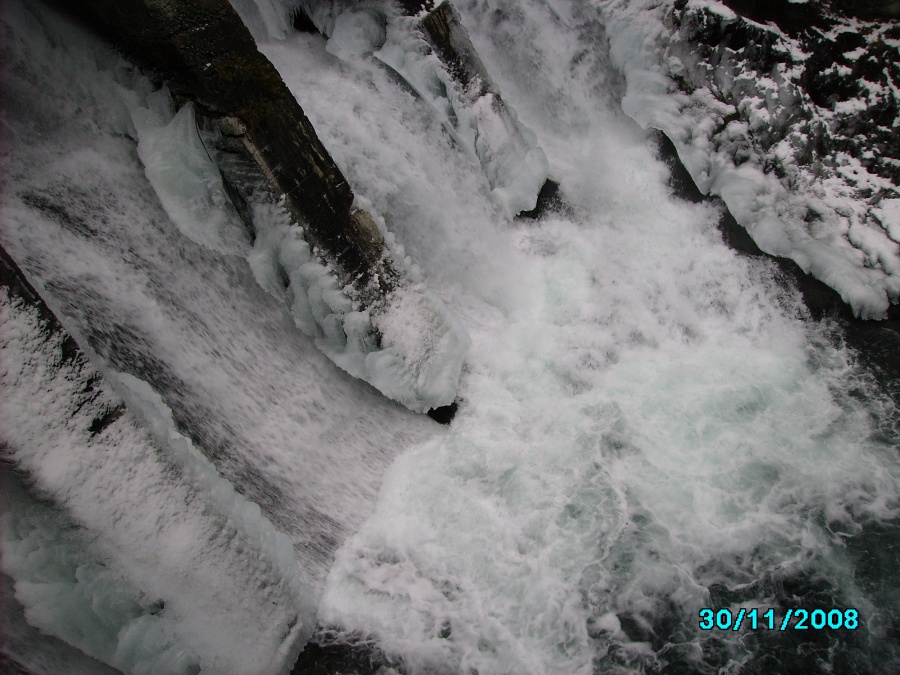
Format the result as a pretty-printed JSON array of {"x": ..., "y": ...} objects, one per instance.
[
  {"x": 256, "y": 395},
  {"x": 266, "y": 19},
  {"x": 628, "y": 434},
  {"x": 356, "y": 34},
  {"x": 162, "y": 523},
  {"x": 483, "y": 124}
]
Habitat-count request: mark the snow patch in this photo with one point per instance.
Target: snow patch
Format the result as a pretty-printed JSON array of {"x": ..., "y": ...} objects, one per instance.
[{"x": 814, "y": 219}]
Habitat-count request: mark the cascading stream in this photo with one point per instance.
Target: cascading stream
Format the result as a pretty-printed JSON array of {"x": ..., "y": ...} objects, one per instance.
[{"x": 648, "y": 423}]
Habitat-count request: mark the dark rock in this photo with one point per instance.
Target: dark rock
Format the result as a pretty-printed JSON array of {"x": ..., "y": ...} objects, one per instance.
[
  {"x": 872, "y": 10},
  {"x": 444, "y": 414},
  {"x": 445, "y": 33},
  {"x": 11, "y": 667},
  {"x": 302, "y": 23},
  {"x": 106, "y": 419},
  {"x": 680, "y": 178},
  {"x": 549, "y": 200},
  {"x": 788, "y": 16},
  {"x": 807, "y": 132},
  {"x": 323, "y": 657},
  {"x": 416, "y": 7},
  {"x": 12, "y": 278},
  {"x": 794, "y": 18}
]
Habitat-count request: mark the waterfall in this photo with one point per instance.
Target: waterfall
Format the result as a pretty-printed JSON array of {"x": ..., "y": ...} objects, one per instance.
[{"x": 649, "y": 423}]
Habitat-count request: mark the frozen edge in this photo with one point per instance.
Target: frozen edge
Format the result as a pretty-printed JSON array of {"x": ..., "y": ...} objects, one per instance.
[
  {"x": 748, "y": 192},
  {"x": 408, "y": 344}
]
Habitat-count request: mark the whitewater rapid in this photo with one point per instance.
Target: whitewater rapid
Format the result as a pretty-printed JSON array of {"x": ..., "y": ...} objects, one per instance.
[
  {"x": 646, "y": 415},
  {"x": 648, "y": 422}
]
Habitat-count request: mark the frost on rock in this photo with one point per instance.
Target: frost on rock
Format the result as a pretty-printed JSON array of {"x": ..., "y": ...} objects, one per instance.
[
  {"x": 407, "y": 344},
  {"x": 804, "y": 153}
]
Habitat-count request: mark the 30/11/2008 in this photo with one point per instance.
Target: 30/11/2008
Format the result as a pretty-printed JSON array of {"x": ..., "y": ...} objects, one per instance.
[{"x": 793, "y": 619}]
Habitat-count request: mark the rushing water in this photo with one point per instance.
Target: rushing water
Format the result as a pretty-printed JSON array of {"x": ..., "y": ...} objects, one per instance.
[{"x": 648, "y": 423}]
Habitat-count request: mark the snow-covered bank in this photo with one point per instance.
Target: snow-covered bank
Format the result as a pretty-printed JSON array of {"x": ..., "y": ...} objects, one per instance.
[{"x": 730, "y": 94}]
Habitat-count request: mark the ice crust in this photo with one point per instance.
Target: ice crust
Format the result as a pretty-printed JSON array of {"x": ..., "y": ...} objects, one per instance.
[
  {"x": 35, "y": 651},
  {"x": 166, "y": 569},
  {"x": 184, "y": 175},
  {"x": 68, "y": 591},
  {"x": 408, "y": 345},
  {"x": 818, "y": 221}
]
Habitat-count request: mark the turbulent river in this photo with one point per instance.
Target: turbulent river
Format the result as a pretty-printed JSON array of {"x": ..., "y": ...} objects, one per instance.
[{"x": 649, "y": 423}]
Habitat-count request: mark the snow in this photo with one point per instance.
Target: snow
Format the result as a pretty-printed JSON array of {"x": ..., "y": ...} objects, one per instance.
[
  {"x": 888, "y": 213},
  {"x": 71, "y": 595},
  {"x": 861, "y": 267},
  {"x": 850, "y": 107}
]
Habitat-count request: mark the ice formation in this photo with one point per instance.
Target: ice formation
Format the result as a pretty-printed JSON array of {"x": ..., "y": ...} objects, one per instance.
[
  {"x": 408, "y": 345},
  {"x": 184, "y": 175}
]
